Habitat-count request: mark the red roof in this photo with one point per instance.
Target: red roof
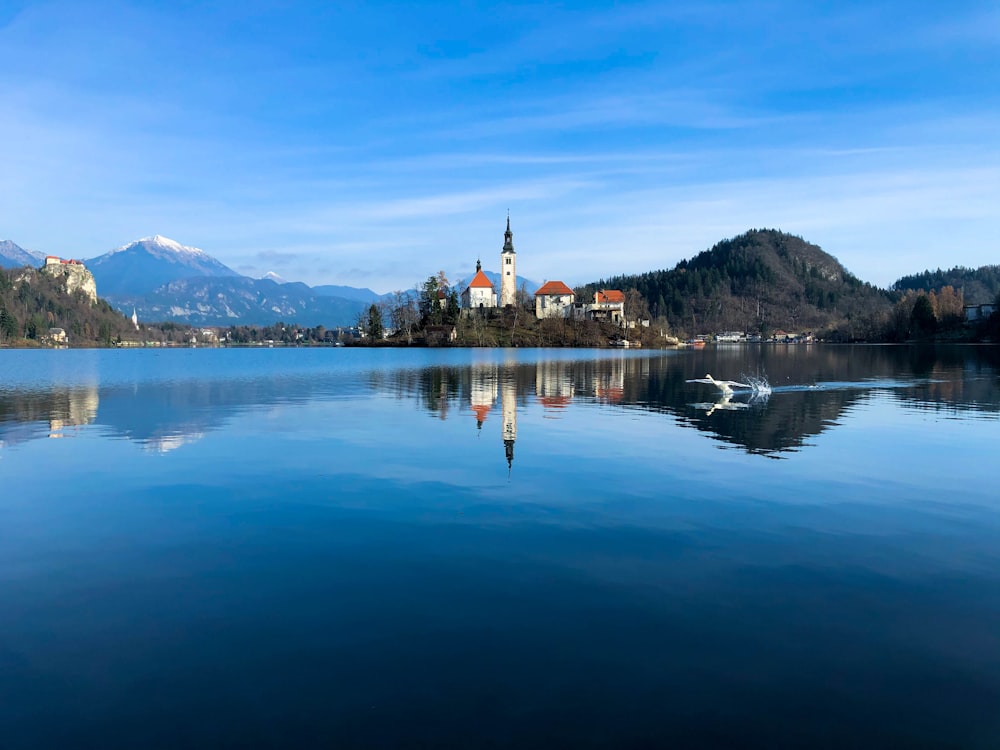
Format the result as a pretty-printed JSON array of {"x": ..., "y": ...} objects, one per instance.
[
  {"x": 553, "y": 287},
  {"x": 555, "y": 402},
  {"x": 480, "y": 281},
  {"x": 609, "y": 295}
]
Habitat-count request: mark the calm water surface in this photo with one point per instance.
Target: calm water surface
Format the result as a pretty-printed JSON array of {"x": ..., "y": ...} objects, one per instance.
[{"x": 468, "y": 548}]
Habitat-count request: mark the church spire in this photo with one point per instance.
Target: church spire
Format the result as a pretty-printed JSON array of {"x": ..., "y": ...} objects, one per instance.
[{"x": 508, "y": 268}]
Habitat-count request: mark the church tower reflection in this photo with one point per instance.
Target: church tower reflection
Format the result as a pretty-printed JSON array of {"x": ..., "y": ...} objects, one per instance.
[{"x": 508, "y": 405}]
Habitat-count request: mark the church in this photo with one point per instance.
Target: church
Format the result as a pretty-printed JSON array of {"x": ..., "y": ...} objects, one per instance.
[{"x": 480, "y": 294}]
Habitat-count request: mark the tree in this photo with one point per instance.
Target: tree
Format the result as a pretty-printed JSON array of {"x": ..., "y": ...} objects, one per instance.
[
  {"x": 636, "y": 308},
  {"x": 524, "y": 300},
  {"x": 430, "y": 305},
  {"x": 452, "y": 307},
  {"x": 8, "y": 325},
  {"x": 35, "y": 327},
  {"x": 372, "y": 324},
  {"x": 403, "y": 314},
  {"x": 922, "y": 320},
  {"x": 950, "y": 309}
]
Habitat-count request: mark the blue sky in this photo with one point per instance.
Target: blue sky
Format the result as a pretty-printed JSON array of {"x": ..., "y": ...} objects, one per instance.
[{"x": 372, "y": 144}]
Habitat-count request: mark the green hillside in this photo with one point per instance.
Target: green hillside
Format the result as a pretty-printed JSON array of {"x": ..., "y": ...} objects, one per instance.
[
  {"x": 760, "y": 281},
  {"x": 31, "y": 303}
]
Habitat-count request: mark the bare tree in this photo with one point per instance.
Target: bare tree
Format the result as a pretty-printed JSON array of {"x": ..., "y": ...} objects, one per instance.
[
  {"x": 403, "y": 313},
  {"x": 636, "y": 308}
]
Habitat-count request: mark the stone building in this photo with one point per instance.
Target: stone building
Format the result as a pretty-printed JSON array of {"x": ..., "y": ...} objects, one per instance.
[{"x": 553, "y": 300}]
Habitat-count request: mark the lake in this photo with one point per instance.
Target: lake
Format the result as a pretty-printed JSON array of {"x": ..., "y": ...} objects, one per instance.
[{"x": 378, "y": 548}]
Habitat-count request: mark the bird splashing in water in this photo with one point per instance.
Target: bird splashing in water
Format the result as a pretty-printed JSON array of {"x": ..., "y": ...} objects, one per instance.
[{"x": 725, "y": 386}]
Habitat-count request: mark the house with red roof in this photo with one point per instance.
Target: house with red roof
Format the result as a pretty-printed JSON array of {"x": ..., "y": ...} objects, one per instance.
[
  {"x": 553, "y": 300},
  {"x": 609, "y": 305}
]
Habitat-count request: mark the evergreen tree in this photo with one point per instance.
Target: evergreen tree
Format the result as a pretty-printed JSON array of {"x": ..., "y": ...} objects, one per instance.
[
  {"x": 373, "y": 326},
  {"x": 922, "y": 320}
]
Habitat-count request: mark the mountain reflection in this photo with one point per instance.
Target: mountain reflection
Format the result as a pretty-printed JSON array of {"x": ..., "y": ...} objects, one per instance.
[{"x": 813, "y": 387}]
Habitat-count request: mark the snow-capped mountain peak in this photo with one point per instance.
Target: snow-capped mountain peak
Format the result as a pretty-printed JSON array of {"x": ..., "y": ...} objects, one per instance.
[
  {"x": 272, "y": 276},
  {"x": 158, "y": 244},
  {"x": 148, "y": 263}
]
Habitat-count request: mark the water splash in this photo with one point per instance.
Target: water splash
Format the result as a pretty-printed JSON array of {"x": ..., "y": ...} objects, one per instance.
[{"x": 759, "y": 386}]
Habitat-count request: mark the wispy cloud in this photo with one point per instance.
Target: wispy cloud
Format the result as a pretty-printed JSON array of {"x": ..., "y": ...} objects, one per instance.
[{"x": 373, "y": 143}]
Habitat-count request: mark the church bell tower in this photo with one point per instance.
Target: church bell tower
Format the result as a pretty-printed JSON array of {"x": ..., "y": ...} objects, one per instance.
[{"x": 508, "y": 269}]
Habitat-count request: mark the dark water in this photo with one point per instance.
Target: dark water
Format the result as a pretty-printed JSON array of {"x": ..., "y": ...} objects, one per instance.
[{"x": 375, "y": 549}]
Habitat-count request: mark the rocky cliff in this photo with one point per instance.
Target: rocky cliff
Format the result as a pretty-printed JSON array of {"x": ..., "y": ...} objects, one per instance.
[{"x": 75, "y": 275}]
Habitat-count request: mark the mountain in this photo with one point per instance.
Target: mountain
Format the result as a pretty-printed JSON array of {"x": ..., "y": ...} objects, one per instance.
[
  {"x": 761, "y": 280},
  {"x": 239, "y": 300},
  {"x": 348, "y": 292},
  {"x": 166, "y": 281},
  {"x": 144, "y": 265},
  {"x": 12, "y": 256},
  {"x": 979, "y": 286},
  {"x": 332, "y": 290}
]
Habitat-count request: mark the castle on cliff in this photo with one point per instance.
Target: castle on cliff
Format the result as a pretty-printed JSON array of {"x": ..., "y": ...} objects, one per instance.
[{"x": 76, "y": 275}]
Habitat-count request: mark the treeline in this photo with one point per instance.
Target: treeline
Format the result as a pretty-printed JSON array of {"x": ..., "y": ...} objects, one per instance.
[
  {"x": 920, "y": 315},
  {"x": 979, "y": 286},
  {"x": 283, "y": 333}
]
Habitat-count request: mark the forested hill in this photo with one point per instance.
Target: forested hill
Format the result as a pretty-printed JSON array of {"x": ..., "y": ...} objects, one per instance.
[
  {"x": 979, "y": 286},
  {"x": 762, "y": 280},
  {"x": 32, "y": 302}
]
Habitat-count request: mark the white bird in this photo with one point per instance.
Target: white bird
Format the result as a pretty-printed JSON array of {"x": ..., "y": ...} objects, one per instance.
[{"x": 726, "y": 386}]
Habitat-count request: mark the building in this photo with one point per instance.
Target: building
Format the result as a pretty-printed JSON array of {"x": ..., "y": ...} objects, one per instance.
[
  {"x": 974, "y": 313},
  {"x": 479, "y": 294},
  {"x": 55, "y": 260},
  {"x": 608, "y": 306},
  {"x": 508, "y": 269},
  {"x": 553, "y": 300}
]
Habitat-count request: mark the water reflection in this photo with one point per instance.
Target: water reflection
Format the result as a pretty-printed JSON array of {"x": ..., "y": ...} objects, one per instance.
[
  {"x": 54, "y": 413},
  {"x": 813, "y": 387},
  {"x": 514, "y": 549}
]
